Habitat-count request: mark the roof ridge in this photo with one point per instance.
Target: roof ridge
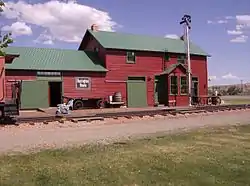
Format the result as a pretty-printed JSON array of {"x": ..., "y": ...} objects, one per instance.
[
  {"x": 54, "y": 59},
  {"x": 30, "y": 47},
  {"x": 131, "y": 41},
  {"x": 137, "y": 35}
]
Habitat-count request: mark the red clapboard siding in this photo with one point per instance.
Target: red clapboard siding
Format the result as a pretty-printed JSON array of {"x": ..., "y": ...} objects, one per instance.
[
  {"x": 12, "y": 75},
  {"x": 97, "y": 84},
  {"x": 147, "y": 64}
]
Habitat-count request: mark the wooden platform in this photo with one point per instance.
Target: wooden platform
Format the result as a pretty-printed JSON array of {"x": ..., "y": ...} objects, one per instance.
[{"x": 93, "y": 112}]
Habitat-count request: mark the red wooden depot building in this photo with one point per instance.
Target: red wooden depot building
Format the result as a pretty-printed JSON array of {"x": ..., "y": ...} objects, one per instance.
[{"x": 146, "y": 70}]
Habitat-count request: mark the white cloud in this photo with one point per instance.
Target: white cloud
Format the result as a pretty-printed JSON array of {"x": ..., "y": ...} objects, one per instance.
[
  {"x": 222, "y": 21},
  {"x": 17, "y": 29},
  {"x": 212, "y": 78},
  {"x": 234, "y": 32},
  {"x": 172, "y": 36},
  {"x": 65, "y": 21},
  {"x": 45, "y": 38},
  {"x": 229, "y": 17},
  {"x": 239, "y": 39},
  {"x": 243, "y": 20},
  {"x": 209, "y": 22},
  {"x": 48, "y": 42},
  {"x": 217, "y": 22},
  {"x": 239, "y": 27},
  {"x": 229, "y": 76}
]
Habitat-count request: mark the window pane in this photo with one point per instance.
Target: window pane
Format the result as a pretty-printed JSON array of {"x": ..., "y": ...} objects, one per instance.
[
  {"x": 174, "y": 89},
  {"x": 173, "y": 85},
  {"x": 181, "y": 59},
  {"x": 130, "y": 56},
  {"x": 173, "y": 79},
  {"x": 184, "y": 87},
  {"x": 183, "y": 80},
  {"x": 194, "y": 79}
]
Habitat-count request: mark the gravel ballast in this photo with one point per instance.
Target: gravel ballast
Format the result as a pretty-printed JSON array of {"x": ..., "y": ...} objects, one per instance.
[{"x": 56, "y": 135}]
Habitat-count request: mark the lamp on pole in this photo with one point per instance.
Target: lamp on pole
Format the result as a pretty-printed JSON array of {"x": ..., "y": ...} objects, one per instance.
[{"x": 186, "y": 22}]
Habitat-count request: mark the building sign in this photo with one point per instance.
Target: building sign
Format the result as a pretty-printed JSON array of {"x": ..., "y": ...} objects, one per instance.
[
  {"x": 83, "y": 83},
  {"x": 47, "y": 73}
]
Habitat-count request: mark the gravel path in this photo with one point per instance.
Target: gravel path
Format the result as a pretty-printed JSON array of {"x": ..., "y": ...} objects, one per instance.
[{"x": 58, "y": 135}]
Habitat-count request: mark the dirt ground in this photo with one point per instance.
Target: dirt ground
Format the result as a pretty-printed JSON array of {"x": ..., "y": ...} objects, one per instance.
[{"x": 55, "y": 135}]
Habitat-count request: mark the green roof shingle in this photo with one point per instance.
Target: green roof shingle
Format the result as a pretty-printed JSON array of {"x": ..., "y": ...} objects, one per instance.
[
  {"x": 53, "y": 59},
  {"x": 115, "y": 40}
]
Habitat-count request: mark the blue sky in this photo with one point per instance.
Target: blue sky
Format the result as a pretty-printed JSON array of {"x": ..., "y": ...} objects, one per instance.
[{"x": 220, "y": 27}]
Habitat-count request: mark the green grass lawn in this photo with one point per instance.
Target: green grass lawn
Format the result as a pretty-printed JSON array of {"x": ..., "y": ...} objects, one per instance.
[
  {"x": 238, "y": 101},
  {"x": 202, "y": 158}
]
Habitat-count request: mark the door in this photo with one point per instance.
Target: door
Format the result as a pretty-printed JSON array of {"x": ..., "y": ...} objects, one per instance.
[
  {"x": 195, "y": 86},
  {"x": 195, "y": 90},
  {"x": 136, "y": 92},
  {"x": 55, "y": 93},
  {"x": 161, "y": 91},
  {"x": 34, "y": 94}
]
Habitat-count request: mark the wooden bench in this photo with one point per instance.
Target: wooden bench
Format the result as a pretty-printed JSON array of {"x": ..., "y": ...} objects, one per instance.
[{"x": 172, "y": 102}]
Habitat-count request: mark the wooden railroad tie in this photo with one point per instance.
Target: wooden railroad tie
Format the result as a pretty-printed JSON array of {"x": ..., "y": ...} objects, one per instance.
[
  {"x": 129, "y": 117},
  {"x": 88, "y": 119},
  {"x": 191, "y": 111},
  {"x": 62, "y": 120},
  {"x": 46, "y": 122}
]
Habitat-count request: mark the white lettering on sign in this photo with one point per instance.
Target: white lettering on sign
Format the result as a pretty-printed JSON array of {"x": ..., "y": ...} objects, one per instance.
[{"x": 83, "y": 83}]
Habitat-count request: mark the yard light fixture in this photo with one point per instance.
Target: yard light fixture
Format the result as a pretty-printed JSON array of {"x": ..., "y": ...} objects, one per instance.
[{"x": 186, "y": 22}]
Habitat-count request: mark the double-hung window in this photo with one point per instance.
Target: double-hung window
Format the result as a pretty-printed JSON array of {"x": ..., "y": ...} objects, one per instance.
[
  {"x": 183, "y": 85},
  {"x": 173, "y": 85},
  {"x": 130, "y": 57}
]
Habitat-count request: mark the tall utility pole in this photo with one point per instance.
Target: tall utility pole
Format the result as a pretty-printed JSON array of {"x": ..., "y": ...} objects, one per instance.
[{"x": 186, "y": 22}]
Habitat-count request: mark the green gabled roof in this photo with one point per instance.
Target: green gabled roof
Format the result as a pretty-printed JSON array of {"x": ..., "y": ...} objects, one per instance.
[
  {"x": 115, "y": 40},
  {"x": 53, "y": 59},
  {"x": 172, "y": 67}
]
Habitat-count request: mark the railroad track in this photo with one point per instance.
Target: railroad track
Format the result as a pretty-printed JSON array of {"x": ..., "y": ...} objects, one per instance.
[{"x": 131, "y": 114}]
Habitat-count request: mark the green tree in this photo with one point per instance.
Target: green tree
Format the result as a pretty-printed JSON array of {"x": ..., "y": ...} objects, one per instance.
[
  {"x": 233, "y": 90},
  {"x": 5, "y": 39}
]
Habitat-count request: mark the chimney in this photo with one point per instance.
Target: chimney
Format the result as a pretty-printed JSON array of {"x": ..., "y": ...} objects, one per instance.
[{"x": 94, "y": 27}]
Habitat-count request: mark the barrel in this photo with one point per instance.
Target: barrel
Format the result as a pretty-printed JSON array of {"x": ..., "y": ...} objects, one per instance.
[{"x": 118, "y": 97}]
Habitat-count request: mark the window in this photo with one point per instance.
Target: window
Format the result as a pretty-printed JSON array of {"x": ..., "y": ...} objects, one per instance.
[
  {"x": 173, "y": 85},
  {"x": 166, "y": 56},
  {"x": 183, "y": 85},
  {"x": 130, "y": 57},
  {"x": 48, "y": 73},
  {"x": 181, "y": 59},
  {"x": 194, "y": 79},
  {"x": 96, "y": 49}
]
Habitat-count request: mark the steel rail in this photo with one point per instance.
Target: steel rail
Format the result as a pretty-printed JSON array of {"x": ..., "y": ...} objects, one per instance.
[{"x": 139, "y": 113}]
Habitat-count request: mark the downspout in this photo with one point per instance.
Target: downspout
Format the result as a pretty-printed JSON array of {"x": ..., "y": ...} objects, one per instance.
[
  {"x": 3, "y": 87},
  {"x": 164, "y": 61}
]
